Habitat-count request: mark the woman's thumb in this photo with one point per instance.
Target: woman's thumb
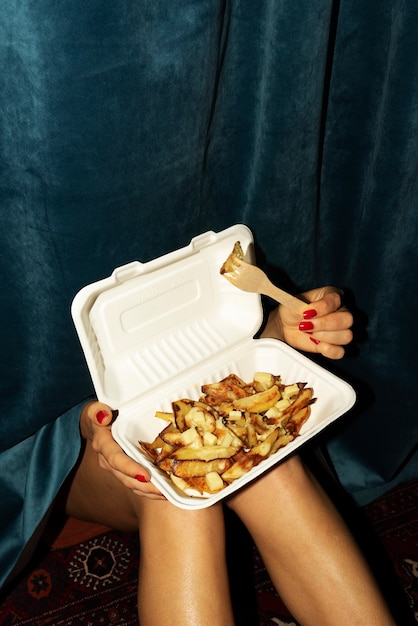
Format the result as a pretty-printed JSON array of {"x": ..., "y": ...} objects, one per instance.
[{"x": 105, "y": 416}]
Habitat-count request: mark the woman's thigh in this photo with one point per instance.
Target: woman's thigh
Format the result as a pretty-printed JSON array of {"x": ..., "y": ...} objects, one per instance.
[
  {"x": 95, "y": 494},
  {"x": 182, "y": 551}
]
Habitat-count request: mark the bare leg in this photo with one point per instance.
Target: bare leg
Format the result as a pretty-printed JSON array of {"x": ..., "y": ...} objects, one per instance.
[
  {"x": 182, "y": 574},
  {"x": 312, "y": 559},
  {"x": 186, "y": 578}
]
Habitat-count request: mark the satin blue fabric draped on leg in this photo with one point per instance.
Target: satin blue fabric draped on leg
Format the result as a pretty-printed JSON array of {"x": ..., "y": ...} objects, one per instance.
[{"x": 129, "y": 127}]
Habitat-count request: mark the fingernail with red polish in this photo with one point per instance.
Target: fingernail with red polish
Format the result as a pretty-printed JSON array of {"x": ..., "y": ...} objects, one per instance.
[
  {"x": 315, "y": 341},
  {"x": 309, "y": 314},
  {"x": 100, "y": 416},
  {"x": 306, "y": 326},
  {"x": 141, "y": 478}
]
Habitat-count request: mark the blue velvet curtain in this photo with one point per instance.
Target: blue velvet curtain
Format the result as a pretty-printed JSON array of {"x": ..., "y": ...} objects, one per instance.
[
  {"x": 128, "y": 127},
  {"x": 367, "y": 233}
]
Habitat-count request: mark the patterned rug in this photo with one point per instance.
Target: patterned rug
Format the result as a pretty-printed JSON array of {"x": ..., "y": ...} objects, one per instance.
[{"x": 89, "y": 576}]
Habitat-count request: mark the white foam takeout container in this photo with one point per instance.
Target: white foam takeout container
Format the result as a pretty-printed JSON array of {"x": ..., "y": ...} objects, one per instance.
[{"x": 155, "y": 332}]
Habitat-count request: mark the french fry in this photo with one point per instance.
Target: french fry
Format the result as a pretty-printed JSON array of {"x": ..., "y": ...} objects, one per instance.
[
  {"x": 237, "y": 253},
  {"x": 242, "y": 465},
  {"x": 211, "y": 482},
  {"x": 297, "y": 421},
  {"x": 205, "y": 453},
  {"x": 263, "y": 448},
  {"x": 166, "y": 416},
  {"x": 258, "y": 402},
  {"x": 180, "y": 410},
  {"x": 281, "y": 441},
  {"x": 209, "y": 443},
  {"x": 188, "y": 469},
  {"x": 227, "y": 389},
  {"x": 165, "y": 451}
]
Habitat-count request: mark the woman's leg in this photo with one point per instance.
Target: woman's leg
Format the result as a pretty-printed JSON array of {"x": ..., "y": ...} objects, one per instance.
[
  {"x": 312, "y": 558},
  {"x": 182, "y": 572},
  {"x": 183, "y": 575}
]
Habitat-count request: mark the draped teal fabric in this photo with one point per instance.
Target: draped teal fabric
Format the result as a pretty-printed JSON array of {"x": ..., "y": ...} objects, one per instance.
[
  {"x": 128, "y": 127},
  {"x": 370, "y": 177}
]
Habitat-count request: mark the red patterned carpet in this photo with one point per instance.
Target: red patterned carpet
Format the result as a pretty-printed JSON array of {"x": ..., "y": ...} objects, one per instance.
[{"x": 89, "y": 576}]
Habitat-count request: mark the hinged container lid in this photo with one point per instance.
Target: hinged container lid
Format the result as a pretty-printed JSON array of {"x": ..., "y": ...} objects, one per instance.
[{"x": 149, "y": 323}]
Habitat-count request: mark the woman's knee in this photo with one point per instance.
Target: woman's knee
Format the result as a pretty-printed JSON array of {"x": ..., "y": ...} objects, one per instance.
[{"x": 284, "y": 480}]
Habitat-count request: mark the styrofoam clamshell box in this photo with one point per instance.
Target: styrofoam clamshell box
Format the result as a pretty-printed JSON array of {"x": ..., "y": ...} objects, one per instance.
[{"x": 155, "y": 332}]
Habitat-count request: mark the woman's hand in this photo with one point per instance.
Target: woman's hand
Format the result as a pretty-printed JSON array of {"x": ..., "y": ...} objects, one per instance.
[
  {"x": 324, "y": 327},
  {"x": 95, "y": 421}
]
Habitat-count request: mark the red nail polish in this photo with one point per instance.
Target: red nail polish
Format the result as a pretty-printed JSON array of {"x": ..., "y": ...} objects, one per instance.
[
  {"x": 307, "y": 315},
  {"x": 141, "y": 478},
  {"x": 315, "y": 341},
  {"x": 306, "y": 326},
  {"x": 100, "y": 415}
]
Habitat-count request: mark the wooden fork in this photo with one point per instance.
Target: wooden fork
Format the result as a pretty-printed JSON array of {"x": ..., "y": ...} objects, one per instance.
[{"x": 251, "y": 278}]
